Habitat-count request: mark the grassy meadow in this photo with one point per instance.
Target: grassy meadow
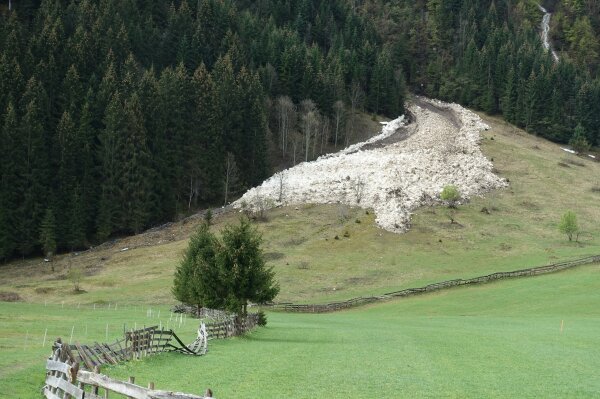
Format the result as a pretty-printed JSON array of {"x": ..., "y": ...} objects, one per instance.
[{"x": 497, "y": 340}]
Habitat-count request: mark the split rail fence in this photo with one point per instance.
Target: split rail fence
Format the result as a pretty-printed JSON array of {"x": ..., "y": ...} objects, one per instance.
[
  {"x": 134, "y": 345},
  {"x": 335, "y": 306},
  {"x": 64, "y": 380}
]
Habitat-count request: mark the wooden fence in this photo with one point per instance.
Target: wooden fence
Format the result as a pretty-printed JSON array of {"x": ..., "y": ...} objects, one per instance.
[
  {"x": 335, "y": 306},
  {"x": 229, "y": 328},
  {"x": 135, "y": 344},
  {"x": 64, "y": 380}
]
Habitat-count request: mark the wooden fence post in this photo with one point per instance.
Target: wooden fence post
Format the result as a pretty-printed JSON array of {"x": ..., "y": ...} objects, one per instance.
[{"x": 131, "y": 381}]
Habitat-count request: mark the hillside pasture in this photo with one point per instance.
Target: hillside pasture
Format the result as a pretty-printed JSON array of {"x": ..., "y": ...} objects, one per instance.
[
  {"x": 333, "y": 252},
  {"x": 499, "y": 340}
]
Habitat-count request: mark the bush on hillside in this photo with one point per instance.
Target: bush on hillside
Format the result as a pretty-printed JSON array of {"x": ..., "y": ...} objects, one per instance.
[
  {"x": 568, "y": 224},
  {"x": 451, "y": 195}
]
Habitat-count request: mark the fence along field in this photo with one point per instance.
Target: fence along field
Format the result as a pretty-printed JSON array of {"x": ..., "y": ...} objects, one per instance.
[
  {"x": 65, "y": 379},
  {"x": 335, "y": 306}
]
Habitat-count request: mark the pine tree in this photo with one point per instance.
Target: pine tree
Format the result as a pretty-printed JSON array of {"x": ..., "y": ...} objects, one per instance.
[
  {"x": 48, "y": 233},
  {"x": 196, "y": 280},
  {"x": 135, "y": 181},
  {"x": 245, "y": 275},
  {"x": 109, "y": 217},
  {"x": 10, "y": 153}
]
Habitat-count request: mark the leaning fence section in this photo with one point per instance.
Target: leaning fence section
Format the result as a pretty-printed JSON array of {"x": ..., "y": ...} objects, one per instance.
[{"x": 335, "y": 306}]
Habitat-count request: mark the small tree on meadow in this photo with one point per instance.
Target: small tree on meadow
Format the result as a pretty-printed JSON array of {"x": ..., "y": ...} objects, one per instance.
[
  {"x": 75, "y": 276},
  {"x": 568, "y": 224},
  {"x": 246, "y": 278},
  {"x": 225, "y": 273},
  {"x": 451, "y": 195},
  {"x": 196, "y": 274}
]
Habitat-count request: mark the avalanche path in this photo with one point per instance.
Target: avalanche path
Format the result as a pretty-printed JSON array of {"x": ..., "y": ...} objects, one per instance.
[{"x": 401, "y": 169}]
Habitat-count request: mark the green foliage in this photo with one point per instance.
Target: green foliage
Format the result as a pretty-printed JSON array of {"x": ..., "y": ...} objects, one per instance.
[
  {"x": 208, "y": 216},
  {"x": 568, "y": 224},
  {"x": 450, "y": 194},
  {"x": 579, "y": 141},
  {"x": 196, "y": 276},
  {"x": 48, "y": 233},
  {"x": 130, "y": 125},
  {"x": 246, "y": 278},
  {"x": 75, "y": 276},
  {"x": 262, "y": 318},
  {"x": 225, "y": 273}
]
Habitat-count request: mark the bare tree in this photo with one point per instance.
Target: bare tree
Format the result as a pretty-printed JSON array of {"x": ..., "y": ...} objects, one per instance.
[
  {"x": 359, "y": 188},
  {"x": 286, "y": 115},
  {"x": 339, "y": 110},
  {"x": 310, "y": 121},
  {"x": 231, "y": 176},
  {"x": 325, "y": 131},
  {"x": 356, "y": 99},
  {"x": 194, "y": 190},
  {"x": 261, "y": 205},
  {"x": 281, "y": 181}
]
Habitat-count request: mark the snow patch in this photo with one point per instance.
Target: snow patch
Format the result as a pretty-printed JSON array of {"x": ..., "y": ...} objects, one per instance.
[
  {"x": 570, "y": 151},
  {"x": 394, "y": 179}
]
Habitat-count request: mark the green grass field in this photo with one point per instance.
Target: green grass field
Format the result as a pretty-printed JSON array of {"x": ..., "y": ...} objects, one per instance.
[{"x": 498, "y": 340}]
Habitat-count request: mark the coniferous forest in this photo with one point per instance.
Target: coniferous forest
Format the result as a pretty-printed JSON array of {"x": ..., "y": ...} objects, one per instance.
[{"x": 120, "y": 115}]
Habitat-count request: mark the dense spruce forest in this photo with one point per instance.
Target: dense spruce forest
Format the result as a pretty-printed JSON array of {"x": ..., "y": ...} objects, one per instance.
[{"x": 120, "y": 115}]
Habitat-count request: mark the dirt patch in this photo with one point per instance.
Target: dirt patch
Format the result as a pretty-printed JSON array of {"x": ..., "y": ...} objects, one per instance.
[{"x": 10, "y": 297}]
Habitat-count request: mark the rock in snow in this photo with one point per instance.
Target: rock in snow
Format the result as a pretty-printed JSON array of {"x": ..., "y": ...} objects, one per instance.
[{"x": 394, "y": 179}]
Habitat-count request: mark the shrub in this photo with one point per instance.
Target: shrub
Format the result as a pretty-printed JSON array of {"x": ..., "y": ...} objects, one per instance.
[
  {"x": 262, "y": 319},
  {"x": 579, "y": 140},
  {"x": 75, "y": 276},
  {"x": 568, "y": 224},
  {"x": 451, "y": 195}
]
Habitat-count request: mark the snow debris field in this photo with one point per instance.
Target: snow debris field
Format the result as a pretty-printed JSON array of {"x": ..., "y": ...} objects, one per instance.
[{"x": 395, "y": 178}]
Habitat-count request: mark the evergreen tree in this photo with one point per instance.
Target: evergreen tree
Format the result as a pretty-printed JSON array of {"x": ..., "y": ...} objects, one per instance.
[
  {"x": 196, "y": 280},
  {"x": 579, "y": 141},
  {"x": 245, "y": 276},
  {"x": 109, "y": 218},
  {"x": 135, "y": 181},
  {"x": 48, "y": 233}
]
